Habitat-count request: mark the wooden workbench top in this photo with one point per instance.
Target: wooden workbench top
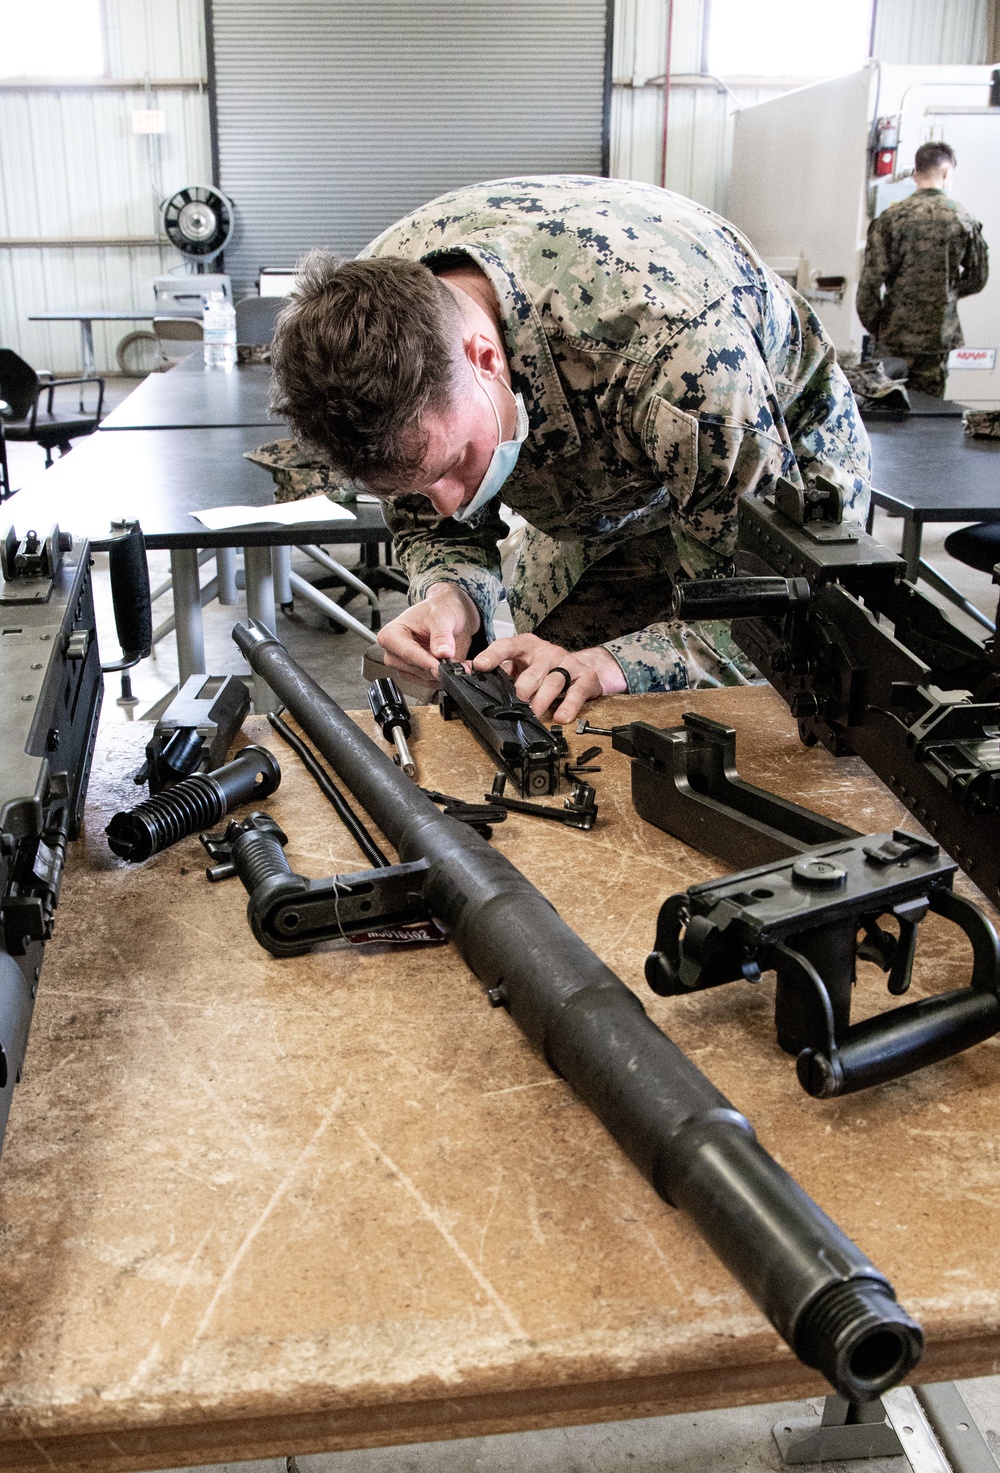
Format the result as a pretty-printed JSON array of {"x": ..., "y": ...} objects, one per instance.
[{"x": 251, "y": 1207}]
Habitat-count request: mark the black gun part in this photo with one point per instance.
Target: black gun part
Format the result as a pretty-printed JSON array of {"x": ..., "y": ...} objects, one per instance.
[
  {"x": 579, "y": 810},
  {"x": 585, "y": 757},
  {"x": 130, "y": 594},
  {"x": 392, "y": 714},
  {"x": 50, "y": 701},
  {"x": 829, "y": 1302},
  {"x": 684, "y": 780},
  {"x": 330, "y": 791},
  {"x": 193, "y": 804},
  {"x": 558, "y": 736},
  {"x": 800, "y": 917},
  {"x": 290, "y": 914},
  {"x": 868, "y": 665},
  {"x": 196, "y": 731},
  {"x": 584, "y": 728},
  {"x": 504, "y": 726},
  {"x": 482, "y": 816},
  {"x": 219, "y": 846}
]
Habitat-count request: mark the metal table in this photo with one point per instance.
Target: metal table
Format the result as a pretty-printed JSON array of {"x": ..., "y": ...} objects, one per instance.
[
  {"x": 86, "y": 321},
  {"x": 928, "y": 470},
  {"x": 161, "y": 477},
  {"x": 191, "y": 396}
]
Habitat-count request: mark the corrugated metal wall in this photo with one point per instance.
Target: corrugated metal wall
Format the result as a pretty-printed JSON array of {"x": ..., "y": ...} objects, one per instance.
[
  {"x": 71, "y": 168},
  {"x": 336, "y": 118},
  {"x": 701, "y": 110},
  {"x": 918, "y": 32}
]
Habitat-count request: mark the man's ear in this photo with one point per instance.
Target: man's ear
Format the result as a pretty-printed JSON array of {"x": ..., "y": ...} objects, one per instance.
[{"x": 484, "y": 355}]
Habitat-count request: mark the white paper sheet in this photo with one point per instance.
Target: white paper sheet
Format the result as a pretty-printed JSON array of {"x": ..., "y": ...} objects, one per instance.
[{"x": 287, "y": 513}]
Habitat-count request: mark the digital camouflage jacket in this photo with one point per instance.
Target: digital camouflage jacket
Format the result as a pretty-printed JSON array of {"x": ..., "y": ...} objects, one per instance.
[
  {"x": 666, "y": 372},
  {"x": 927, "y": 251}
]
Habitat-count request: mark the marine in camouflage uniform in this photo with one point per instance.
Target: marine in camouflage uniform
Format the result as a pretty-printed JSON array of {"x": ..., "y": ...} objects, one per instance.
[
  {"x": 927, "y": 251},
  {"x": 666, "y": 372}
]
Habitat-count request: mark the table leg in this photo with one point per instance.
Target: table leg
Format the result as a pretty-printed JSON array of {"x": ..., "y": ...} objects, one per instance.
[
  {"x": 225, "y": 565},
  {"x": 187, "y": 613},
  {"x": 281, "y": 561},
  {"x": 931, "y": 575},
  {"x": 87, "y": 347},
  {"x": 260, "y": 606},
  {"x": 87, "y": 352},
  {"x": 912, "y": 534}
]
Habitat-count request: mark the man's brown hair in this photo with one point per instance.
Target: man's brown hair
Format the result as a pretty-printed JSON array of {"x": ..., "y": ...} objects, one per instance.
[
  {"x": 930, "y": 157},
  {"x": 361, "y": 352}
]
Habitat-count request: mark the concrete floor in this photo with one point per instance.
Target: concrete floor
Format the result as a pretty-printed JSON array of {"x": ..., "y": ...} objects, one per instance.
[
  {"x": 704, "y": 1442},
  {"x": 738, "y": 1440}
]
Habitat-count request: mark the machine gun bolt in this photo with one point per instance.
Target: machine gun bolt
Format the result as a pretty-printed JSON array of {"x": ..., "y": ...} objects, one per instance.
[{"x": 196, "y": 803}]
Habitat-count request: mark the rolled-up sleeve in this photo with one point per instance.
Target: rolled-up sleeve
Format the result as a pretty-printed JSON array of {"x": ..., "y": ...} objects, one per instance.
[{"x": 433, "y": 549}]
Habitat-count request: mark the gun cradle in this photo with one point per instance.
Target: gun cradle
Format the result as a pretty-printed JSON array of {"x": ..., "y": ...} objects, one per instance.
[
  {"x": 50, "y": 700},
  {"x": 800, "y": 917},
  {"x": 684, "y": 780}
]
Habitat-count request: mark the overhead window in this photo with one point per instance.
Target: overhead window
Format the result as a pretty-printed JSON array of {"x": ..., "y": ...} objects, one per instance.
[
  {"x": 788, "y": 38},
  {"x": 62, "y": 38}
]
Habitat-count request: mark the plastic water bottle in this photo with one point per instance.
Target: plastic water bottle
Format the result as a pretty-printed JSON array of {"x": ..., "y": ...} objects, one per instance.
[{"x": 219, "y": 331}]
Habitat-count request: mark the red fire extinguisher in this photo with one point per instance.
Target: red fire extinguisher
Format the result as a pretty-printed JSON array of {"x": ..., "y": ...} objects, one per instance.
[{"x": 886, "y": 144}]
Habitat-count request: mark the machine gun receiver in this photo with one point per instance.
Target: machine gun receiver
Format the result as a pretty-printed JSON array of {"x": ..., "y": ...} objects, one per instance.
[{"x": 870, "y": 667}]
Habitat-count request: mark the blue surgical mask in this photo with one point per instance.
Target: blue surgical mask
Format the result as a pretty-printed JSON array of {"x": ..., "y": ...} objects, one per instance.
[{"x": 504, "y": 457}]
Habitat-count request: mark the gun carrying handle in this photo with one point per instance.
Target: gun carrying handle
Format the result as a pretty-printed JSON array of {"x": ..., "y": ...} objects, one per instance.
[
  {"x": 908, "y": 1038},
  {"x": 130, "y": 596},
  {"x": 898, "y": 1042}
]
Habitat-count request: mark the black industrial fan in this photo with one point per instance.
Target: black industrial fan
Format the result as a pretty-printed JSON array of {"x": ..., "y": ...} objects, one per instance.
[{"x": 199, "y": 221}]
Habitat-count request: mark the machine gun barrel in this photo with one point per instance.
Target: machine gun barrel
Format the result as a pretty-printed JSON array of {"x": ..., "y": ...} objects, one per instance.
[{"x": 833, "y": 1307}]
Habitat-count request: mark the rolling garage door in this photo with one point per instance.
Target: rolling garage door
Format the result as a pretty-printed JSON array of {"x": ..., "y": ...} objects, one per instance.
[{"x": 333, "y": 118}]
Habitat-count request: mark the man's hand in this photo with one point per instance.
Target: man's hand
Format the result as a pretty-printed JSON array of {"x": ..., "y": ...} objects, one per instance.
[
  {"x": 530, "y": 661},
  {"x": 440, "y": 627}
]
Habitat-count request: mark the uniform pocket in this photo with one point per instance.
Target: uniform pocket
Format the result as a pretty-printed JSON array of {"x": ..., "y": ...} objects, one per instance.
[{"x": 670, "y": 439}]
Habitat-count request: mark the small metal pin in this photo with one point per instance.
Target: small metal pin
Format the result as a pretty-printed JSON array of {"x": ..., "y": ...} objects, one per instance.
[{"x": 584, "y": 728}]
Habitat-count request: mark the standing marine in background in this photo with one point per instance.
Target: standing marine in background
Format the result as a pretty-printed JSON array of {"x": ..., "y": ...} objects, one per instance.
[{"x": 926, "y": 251}]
